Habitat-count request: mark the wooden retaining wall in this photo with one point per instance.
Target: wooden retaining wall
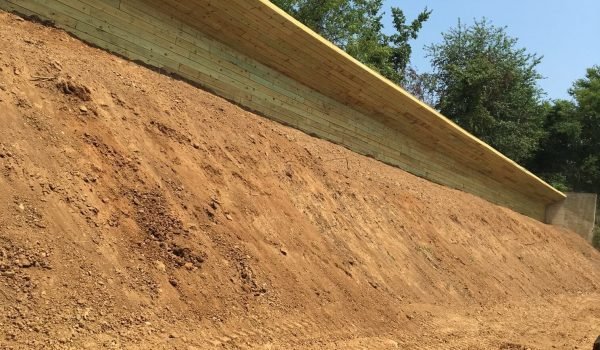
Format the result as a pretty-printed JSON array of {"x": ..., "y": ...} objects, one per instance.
[{"x": 250, "y": 52}]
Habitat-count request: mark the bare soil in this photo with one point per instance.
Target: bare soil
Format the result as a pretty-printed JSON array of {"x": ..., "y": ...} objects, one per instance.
[{"x": 139, "y": 212}]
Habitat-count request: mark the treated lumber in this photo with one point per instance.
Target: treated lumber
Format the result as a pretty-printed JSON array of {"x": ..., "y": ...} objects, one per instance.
[{"x": 251, "y": 53}]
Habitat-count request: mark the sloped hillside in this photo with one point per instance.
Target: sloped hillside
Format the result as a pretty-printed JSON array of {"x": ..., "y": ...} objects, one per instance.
[{"x": 139, "y": 212}]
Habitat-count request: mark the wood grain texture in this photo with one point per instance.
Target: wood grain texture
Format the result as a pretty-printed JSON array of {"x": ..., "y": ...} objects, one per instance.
[{"x": 252, "y": 53}]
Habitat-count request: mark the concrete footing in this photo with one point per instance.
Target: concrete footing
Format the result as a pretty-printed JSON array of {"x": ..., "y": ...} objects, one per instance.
[{"x": 577, "y": 213}]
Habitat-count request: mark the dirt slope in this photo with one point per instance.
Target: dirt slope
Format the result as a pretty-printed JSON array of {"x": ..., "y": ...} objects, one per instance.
[{"x": 139, "y": 212}]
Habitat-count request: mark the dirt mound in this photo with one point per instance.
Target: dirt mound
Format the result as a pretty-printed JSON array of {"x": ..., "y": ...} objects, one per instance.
[{"x": 139, "y": 212}]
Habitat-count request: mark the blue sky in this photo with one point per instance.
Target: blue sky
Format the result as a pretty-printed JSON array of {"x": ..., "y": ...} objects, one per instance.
[{"x": 565, "y": 32}]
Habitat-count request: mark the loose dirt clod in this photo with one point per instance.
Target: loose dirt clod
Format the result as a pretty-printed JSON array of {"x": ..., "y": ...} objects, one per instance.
[{"x": 70, "y": 87}]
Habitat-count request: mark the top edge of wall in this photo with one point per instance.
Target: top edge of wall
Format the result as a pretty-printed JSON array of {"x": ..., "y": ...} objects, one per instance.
[{"x": 280, "y": 18}]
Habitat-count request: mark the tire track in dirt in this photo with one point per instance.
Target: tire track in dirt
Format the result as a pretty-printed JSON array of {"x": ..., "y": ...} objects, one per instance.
[
  {"x": 261, "y": 335},
  {"x": 307, "y": 333},
  {"x": 295, "y": 331}
]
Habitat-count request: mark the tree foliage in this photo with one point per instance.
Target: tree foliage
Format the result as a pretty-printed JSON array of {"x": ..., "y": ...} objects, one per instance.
[
  {"x": 569, "y": 153},
  {"x": 488, "y": 85},
  {"x": 356, "y": 27},
  {"x": 586, "y": 93}
]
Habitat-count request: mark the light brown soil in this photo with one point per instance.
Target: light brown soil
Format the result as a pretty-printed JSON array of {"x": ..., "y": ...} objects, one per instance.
[{"x": 138, "y": 212}]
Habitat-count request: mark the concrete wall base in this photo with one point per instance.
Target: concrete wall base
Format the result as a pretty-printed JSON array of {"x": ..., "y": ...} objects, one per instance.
[{"x": 577, "y": 213}]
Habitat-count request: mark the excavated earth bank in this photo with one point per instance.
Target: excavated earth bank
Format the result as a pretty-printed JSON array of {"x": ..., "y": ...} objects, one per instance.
[{"x": 139, "y": 212}]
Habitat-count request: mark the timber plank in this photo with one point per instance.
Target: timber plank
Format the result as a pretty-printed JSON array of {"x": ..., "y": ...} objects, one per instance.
[{"x": 298, "y": 79}]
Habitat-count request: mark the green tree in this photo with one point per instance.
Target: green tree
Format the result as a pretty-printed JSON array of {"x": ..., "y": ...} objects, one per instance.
[
  {"x": 356, "y": 27},
  {"x": 556, "y": 159},
  {"x": 488, "y": 85},
  {"x": 586, "y": 93},
  {"x": 420, "y": 85},
  {"x": 568, "y": 156}
]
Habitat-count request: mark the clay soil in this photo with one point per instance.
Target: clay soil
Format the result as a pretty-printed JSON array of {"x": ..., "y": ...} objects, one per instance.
[{"x": 140, "y": 212}]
